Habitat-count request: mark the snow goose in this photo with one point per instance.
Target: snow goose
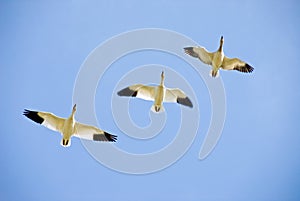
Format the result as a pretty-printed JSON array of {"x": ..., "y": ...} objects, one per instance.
[
  {"x": 158, "y": 94},
  {"x": 69, "y": 127},
  {"x": 218, "y": 59}
]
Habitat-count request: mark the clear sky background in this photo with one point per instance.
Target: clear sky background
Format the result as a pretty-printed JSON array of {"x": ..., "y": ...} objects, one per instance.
[{"x": 43, "y": 45}]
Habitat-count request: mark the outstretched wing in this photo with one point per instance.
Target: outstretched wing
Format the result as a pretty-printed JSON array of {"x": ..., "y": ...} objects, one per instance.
[
  {"x": 88, "y": 132},
  {"x": 200, "y": 53},
  {"x": 46, "y": 119},
  {"x": 236, "y": 64},
  {"x": 177, "y": 96},
  {"x": 139, "y": 91}
]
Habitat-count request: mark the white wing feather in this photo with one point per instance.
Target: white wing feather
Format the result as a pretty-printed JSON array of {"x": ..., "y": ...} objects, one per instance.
[
  {"x": 146, "y": 93},
  {"x": 139, "y": 91},
  {"x": 87, "y": 132},
  {"x": 177, "y": 96},
  {"x": 236, "y": 64},
  {"x": 172, "y": 95},
  {"x": 200, "y": 53},
  {"x": 52, "y": 121},
  {"x": 229, "y": 64}
]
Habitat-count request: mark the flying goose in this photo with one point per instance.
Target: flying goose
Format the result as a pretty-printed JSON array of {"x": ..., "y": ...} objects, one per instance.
[
  {"x": 218, "y": 59},
  {"x": 158, "y": 94},
  {"x": 69, "y": 127}
]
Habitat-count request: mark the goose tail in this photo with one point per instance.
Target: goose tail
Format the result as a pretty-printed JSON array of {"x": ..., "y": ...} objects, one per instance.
[
  {"x": 214, "y": 73},
  {"x": 156, "y": 109},
  {"x": 65, "y": 142}
]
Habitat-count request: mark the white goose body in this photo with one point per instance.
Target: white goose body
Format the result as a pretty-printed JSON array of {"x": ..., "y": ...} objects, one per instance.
[
  {"x": 69, "y": 127},
  {"x": 157, "y": 94},
  {"x": 218, "y": 60}
]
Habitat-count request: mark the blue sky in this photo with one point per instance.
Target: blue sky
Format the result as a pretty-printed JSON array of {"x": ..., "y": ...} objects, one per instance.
[{"x": 43, "y": 46}]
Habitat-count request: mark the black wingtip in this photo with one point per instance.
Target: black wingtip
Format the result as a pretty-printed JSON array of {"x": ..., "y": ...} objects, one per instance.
[
  {"x": 188, "y": 48},
  {"x": 127, "y": 92},
  {"x": 33, "y": 115},
  {"x": 185, "y": 101},
  {"x": 244, "y": 69},
  {"x": 249, "y": 68},
  {"x": 190, "y": 51},
  {"x": 110, "y": 137},
  {"x": 105, "y": 137}
]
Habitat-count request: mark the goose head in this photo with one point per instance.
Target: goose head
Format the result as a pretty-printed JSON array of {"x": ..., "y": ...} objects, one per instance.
[
  {"x": 74, "y": 109},
  {"x": 221, "y": 43},
  {"x": 162, "y": 78}
]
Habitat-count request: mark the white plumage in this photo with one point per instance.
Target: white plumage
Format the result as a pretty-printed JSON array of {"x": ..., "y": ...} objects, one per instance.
[
  {"x": 218, "y": 60},
  {"x": 69, "y": 127},
  {"x": 158, "y": 94}
]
